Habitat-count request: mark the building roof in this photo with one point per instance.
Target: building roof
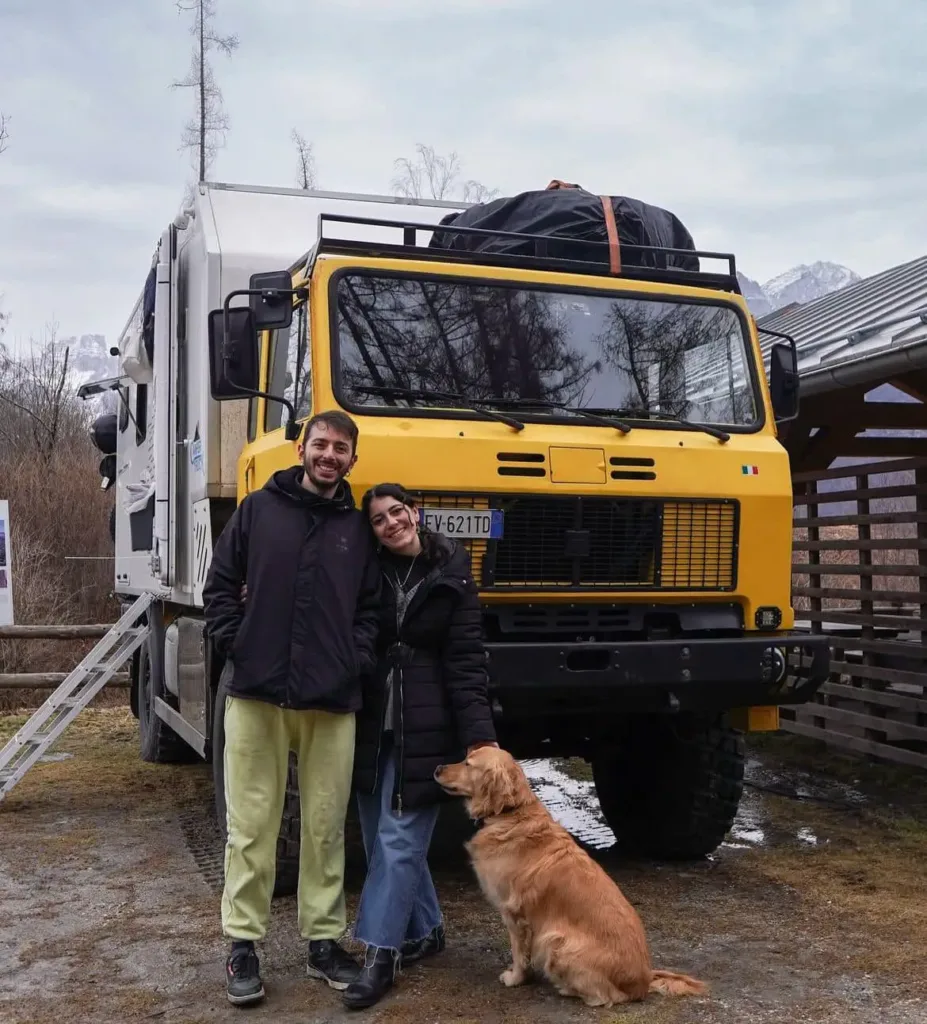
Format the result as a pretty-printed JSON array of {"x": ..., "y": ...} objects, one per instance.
[{"x": 866, "y": 330}]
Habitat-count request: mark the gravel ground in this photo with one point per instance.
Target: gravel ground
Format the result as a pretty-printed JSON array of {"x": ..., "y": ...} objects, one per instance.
[{"x": 814, "y": 910}]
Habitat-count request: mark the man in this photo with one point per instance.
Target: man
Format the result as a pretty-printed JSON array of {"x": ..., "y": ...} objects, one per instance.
[{"x": 295, "y": 650}]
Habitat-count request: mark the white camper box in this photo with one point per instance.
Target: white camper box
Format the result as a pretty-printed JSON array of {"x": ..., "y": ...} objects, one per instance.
[{"x": 178, "y": 460}]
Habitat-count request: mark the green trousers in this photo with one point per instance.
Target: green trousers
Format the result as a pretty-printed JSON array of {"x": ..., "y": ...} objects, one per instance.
[{"x": 258, "y": 741}]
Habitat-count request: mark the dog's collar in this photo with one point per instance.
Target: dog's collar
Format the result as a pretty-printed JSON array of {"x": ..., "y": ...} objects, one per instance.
[{"x": 478, "y": 823}]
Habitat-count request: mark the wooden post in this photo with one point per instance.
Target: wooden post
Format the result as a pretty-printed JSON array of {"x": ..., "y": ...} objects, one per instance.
[
  {"x": 89, "y": 632},
  {"x": 49, "y": 680}
]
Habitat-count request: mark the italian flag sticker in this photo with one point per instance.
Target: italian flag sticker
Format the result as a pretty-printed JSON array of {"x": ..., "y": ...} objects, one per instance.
[{"x": 750, "y": 470}]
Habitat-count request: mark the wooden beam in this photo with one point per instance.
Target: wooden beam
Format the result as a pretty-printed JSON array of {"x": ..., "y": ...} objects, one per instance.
[
  {"x": 858, "y": 544},
  {"x": 913, "y": 384},
  {"x": 838, "y": 497},
  {"x": 855, "y": 744},
  {"x": 49, "y": 680},
  {"x": 89, "y": 632},
  {"x": 893, "y": 416},
  {"x": 872, "y": 519},
  {"x": 881, "y": 447},
  {"x": 909, "y": 597},
  {"x": 867, "y": 468}
]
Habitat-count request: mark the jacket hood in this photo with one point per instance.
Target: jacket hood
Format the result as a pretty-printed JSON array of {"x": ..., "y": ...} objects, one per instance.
[{"x": 288, "y": 482}]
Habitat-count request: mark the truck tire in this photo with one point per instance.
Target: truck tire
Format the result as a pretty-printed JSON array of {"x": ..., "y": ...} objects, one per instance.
[
  {"x": 287, "y": 872},
  {"x": 158, "y": 743},
  {"x": 671, "y": 786}
]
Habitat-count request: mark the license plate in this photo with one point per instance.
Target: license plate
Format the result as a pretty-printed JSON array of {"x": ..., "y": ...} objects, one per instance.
[{"x": 467, "y": 524}]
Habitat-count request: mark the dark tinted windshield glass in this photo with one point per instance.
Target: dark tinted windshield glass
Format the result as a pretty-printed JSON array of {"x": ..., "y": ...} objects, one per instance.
[{"x": 491, "y": 342}]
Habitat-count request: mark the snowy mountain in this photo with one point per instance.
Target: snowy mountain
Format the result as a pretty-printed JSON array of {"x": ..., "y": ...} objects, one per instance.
[
  {"x": 757, "y": 299},
  {"x": 89, "y": 358},
  {"x": 803, "y": 283}
]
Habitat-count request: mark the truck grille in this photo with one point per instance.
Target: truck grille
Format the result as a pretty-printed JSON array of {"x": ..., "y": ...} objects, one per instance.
[{"x": 613, "y": 544}]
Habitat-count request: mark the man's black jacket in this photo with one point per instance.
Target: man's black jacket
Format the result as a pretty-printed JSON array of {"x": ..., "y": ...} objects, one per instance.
[{"x": 308, "y": 627}]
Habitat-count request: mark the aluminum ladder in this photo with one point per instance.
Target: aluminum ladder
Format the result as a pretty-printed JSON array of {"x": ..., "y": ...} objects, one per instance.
[{"x": 73, "y": 694}]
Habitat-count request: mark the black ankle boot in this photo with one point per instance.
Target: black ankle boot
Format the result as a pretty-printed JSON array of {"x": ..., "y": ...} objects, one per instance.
[
  {"x": 434, "y": 942},
  {"x": 374, "y": 981}
]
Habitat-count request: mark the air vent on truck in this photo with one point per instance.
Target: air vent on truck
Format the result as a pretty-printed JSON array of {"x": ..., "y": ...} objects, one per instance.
[
  {"x": 639, "y": 472},
  {"x": 526, "y": 464}
]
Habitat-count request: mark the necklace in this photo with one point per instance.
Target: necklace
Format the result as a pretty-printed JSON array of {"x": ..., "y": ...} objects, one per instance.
[{"x": 402, "y": 586}]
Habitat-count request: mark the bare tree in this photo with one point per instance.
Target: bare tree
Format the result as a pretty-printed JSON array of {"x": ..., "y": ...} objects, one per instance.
[
  {"x": 305, "y": 167},
  {"x": 4, "y": 138},
  {"x": 41, "y": 410},
  {"x": 205, "y": 132},
  {"x": 432, "y": 175}
]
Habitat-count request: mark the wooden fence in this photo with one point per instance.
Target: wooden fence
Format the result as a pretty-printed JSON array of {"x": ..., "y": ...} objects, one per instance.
[
  {"x": 860, "y": 577},
  {"x": 49, "y": 680}
]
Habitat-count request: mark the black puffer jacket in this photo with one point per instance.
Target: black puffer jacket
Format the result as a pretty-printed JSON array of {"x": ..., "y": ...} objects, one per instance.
[
  {"x": 441, "y": 701},
  {"x": 306, "y": 632}
]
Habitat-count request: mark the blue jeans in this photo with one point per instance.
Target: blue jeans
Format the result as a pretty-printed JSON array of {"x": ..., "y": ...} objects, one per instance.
[{"x": 398, "y": 902}]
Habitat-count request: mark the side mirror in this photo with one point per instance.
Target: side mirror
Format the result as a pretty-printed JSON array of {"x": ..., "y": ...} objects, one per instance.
[
  {"x": 783, "y": 381},
  {"x": 234, "y": 368},
  {"x": 272, "y": 305}
]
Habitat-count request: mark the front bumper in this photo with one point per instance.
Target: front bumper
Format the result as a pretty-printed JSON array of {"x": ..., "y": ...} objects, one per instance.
[{"x": 659, "y": 675}]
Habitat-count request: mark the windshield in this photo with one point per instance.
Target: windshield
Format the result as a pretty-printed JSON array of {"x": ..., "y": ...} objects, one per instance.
[{"x": 493, "y": 343}]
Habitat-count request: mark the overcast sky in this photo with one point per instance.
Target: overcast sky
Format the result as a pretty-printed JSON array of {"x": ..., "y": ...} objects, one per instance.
[{"x": 785, "y": 130}]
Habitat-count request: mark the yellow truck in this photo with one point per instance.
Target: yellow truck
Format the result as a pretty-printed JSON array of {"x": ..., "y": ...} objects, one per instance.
[{"x": 601, "y": 436}]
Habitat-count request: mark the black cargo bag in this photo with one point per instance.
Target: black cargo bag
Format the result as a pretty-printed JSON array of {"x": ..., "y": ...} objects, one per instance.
[{"x": 569, "y": 217}]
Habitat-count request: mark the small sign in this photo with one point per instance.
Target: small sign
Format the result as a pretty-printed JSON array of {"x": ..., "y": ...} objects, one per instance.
[
  {"x": 750, "y": 470},
  {"x": 463, "y": 523},
  {"x": 6, "y": 567}
]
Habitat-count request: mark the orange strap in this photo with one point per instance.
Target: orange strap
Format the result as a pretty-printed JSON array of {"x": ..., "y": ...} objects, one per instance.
[{"x": 614, "y": 246}]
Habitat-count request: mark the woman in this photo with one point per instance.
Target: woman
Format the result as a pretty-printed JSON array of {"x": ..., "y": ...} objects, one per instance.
[{"x": 426, "y": 705}]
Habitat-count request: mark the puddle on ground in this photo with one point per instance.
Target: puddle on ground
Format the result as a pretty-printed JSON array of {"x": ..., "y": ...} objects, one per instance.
[
  {"x": 800, "y": 785},
  {"x": 573, "y": 804}
]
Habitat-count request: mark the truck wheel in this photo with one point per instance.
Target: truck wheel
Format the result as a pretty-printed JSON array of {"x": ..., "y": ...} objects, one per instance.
[
  {"x": 287, "y": 876},
  {"x": 670, "y": 787},
  {"x": 158, "y": 742}
]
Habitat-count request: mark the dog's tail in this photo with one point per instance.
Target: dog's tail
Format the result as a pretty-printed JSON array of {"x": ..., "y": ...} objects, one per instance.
[{"x": 668, "y": 983}]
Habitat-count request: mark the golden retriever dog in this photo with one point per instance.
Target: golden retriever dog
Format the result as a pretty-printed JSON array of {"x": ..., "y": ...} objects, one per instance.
[{"x": 565, "y": 917}]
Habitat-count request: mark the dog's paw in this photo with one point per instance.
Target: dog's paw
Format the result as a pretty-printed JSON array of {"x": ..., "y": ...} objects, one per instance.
[{"x": 512, "y": 977}]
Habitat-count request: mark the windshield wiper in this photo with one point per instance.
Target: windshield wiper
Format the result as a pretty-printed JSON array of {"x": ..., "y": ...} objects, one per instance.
[
  {"x": 649, "y": 414},
  {"x": 541, "y": 403},
  {"x": 413, "y": 395}
]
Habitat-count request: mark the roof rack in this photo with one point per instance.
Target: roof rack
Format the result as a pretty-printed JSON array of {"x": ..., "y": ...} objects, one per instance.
[{"x": 409, "y": 248}]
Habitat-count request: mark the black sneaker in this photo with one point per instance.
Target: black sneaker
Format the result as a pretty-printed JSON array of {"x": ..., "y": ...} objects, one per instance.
[
  {"x": 434, "y": 942},
  {"x": 332, "y": 964},
  {"x": 243, "y": 976}
]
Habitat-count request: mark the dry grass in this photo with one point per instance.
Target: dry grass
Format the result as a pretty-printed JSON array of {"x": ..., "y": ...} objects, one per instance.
[
  {"x": 865, "y": 885},
  {"x": 105, "y": 770},
  {"x": 49, "y": 470}
]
